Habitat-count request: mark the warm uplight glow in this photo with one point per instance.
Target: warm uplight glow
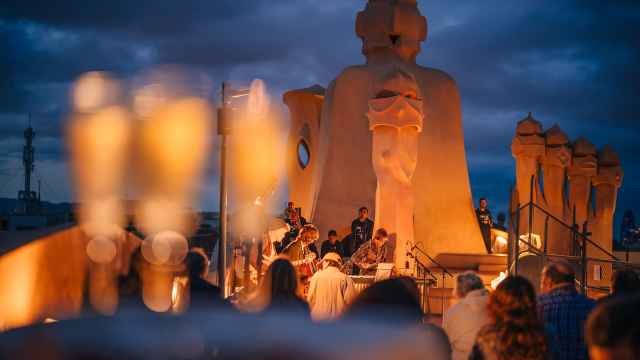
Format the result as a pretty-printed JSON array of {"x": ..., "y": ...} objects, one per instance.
[
  {"x": 44, "y": 278},
  {"x": 19, "y": 286}
]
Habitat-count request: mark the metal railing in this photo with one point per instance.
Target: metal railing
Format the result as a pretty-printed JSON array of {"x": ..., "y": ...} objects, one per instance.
[{"x": 580, "y": 242}]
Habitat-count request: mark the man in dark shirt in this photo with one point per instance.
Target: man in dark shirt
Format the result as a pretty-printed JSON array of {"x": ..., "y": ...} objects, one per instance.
[
  {"x": 563, "y": 309},
  {"x": 331, "y": 245},
  {"x": 361, "y": 229},
  {"x": 486, "y": 222}
]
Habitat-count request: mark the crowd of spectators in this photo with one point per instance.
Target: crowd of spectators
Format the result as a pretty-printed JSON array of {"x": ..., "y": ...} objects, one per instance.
[{"x": 512, "y": 321}]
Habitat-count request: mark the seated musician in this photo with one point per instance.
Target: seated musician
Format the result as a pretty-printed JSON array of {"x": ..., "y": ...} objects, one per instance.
[
  {"x": 299, "y": 251},
  {"x": 373, "y": 252}
]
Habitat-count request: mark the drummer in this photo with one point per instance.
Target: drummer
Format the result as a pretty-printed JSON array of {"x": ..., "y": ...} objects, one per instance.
[{"x": 299, "y": 250}]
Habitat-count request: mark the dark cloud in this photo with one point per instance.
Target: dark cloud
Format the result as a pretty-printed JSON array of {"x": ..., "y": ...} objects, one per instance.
[
  {"x": 574, "y": 63},
  {"x": 141, "y": 19}
]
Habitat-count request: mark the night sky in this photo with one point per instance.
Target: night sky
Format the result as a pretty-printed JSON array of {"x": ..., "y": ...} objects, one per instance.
[{"x": 574, "y": 63}]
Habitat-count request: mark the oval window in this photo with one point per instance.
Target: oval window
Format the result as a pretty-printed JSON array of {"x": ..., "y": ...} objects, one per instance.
[{"x": 304, "y": 156}]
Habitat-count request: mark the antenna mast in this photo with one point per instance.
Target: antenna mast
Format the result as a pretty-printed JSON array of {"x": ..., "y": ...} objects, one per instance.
[{"x": 27, "y": 195}]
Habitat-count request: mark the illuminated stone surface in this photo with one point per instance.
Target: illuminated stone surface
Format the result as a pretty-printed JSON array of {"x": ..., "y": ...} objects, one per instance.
[
  {"x": 395, "y": 119},
  {"x": 341, "y": 176},
  {"x": 566, "y": 176}
]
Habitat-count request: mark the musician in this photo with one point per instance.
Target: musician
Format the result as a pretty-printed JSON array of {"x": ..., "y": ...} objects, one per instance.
[
  {"x": 371, "y": 253},
  {"x": 295, "y": 223},
  {"x": 298, "y": 251}
]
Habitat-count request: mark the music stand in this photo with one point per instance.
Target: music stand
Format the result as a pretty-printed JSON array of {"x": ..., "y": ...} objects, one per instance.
[{"x": 383, "y": 271}]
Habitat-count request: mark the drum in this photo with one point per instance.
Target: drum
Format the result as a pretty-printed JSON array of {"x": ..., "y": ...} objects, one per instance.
[{"x": 307, "y": 269}]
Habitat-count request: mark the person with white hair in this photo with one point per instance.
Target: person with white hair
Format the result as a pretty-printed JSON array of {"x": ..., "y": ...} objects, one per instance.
[
  {"x": 330, "y": 290},
  {"x": 463, "y": 320}
]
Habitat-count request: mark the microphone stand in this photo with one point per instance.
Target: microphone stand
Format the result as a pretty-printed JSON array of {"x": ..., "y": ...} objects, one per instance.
[
  {"x": 426, "y": 284},
  {"x": 425, "y": 269},
  {"x": 444, "y": 270}
]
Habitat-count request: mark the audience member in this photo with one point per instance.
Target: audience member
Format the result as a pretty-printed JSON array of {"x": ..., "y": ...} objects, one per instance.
[
  {"x": 463, "y": 320},
  {"x": 361, "y": 229},
  {"x": 486, "y": 222},
  {"x": 130, "y": 286},
  {"x": 564, "y": 309},
  {"x": 514, "y": 330},
  {"x": 332, "y": 245},
  {"x": 373, "y": 252},
  {"x": 613, "y": 330},
  {"x": 278, "y": 291},
  {"x": 393, "y": 301},
  {"x": 624, "y": 282},
  {"x": 330, "y": 290},
  {"x": 437, "y": 342},
  {"x": 202, "y": 294}
]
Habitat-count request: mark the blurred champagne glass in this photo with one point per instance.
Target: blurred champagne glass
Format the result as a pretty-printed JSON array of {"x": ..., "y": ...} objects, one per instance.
[
  {"x": 174, "y": 130},
  {"x": 99, "y": 135}
]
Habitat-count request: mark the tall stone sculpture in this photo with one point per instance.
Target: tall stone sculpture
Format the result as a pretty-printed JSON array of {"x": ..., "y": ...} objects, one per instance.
[
  {"x": 343, "y": 175},
  {"x": 395, "y": 119},
  {"x": 572, "y": 182}
]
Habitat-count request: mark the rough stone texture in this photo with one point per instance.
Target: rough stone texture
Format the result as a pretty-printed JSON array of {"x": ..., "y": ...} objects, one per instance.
[
  {"x": 343, "y": 177},
  {"x": 395, "y": 119},
  {"x": 566, "y": 176}
]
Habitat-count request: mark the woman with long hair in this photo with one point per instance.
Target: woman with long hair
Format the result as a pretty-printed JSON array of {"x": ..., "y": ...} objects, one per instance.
[
  {"x": 514, "y": 330},
  {"x": 279, "y": 291}
]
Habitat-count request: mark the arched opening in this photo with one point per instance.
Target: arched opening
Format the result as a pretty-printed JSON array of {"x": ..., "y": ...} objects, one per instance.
[{"x": 304, "y": 155}]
